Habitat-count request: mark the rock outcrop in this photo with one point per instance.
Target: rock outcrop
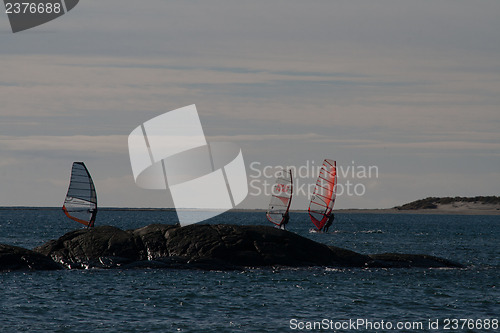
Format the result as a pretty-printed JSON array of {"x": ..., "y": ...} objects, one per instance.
[
  {"x": 399, "y": 260},
  {"x": 13, "y": 258},
  {"x": 211, "y": 247}
]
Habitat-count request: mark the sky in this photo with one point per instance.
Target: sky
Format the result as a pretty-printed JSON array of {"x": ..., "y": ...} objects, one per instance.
[{"x": 408, "y": 88}]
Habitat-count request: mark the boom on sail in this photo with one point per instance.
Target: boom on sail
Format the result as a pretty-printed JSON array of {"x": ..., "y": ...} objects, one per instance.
[
  {"x": 281, "y": 198},
  {"x": 323, "y": 198},
  {"x": 80, "y": 204}
]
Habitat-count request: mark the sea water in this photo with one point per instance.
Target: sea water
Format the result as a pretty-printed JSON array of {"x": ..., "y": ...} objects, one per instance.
[{"x": 270, "y": 299}]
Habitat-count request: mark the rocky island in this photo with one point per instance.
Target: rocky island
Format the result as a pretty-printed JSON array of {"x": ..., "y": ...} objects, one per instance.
[
  {"x": 197, "y": 246},
  {"x": 478, "y": 205}
]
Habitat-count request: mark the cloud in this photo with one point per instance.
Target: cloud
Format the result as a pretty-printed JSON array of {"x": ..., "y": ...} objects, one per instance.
[
  {"x": 105, "y": 144},
  {"x": 433, "y": 145},
  {"x": 397, "y": 83}
]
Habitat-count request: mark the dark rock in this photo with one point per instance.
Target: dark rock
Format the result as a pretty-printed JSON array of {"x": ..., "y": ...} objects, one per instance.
[
  {"x": 248, "y": 246},
  {"x": 103, "y": 247},
  {"x": 411, "y": 260},
  {"x": 350, "y": 258},
  {"x": 151, "y": 240},
  {"x": 13, "y": 258},
  {"x": 220, "y": 247}
]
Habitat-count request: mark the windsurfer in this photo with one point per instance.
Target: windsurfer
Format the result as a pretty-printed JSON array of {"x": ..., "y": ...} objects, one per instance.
[
  {"x": 80, "y": 203},
  {"x": 92, "y": 211},
  {"x": 286, "y": 218},
  {"x": 329, "y": 222}
]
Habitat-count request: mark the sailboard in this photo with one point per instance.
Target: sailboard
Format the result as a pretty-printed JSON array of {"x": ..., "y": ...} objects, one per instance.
[
  {"x": 281, "y": 197},
  {"x": 323, "y": 198},
  {"x": 80, "y": 204}
]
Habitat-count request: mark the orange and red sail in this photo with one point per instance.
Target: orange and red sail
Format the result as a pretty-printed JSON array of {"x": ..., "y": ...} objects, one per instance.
[{"x": 323, "y": 198}]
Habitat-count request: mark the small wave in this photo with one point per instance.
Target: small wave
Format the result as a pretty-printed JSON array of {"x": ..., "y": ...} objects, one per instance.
[
  {"x": 331, "y": 269},
  {"x": 316, "y": 231},
  {"x": 371, "y": 232}
]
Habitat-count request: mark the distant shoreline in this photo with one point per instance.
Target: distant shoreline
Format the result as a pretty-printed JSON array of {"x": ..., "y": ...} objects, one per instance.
[{"x": 486, "y": 210}]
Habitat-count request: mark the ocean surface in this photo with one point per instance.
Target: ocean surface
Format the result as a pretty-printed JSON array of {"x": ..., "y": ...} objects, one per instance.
[{"x": 265, "y": 300}]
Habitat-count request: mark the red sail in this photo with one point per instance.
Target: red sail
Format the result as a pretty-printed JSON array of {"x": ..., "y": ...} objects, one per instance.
[{"x": 323, "y": 196}]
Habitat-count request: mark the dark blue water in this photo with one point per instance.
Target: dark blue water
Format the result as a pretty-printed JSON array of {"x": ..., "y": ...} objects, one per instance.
[{"x": 262, "y": 300}]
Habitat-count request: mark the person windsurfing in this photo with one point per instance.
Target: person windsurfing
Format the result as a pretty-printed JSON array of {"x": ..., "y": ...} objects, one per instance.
[
  {"x": 331, "y": 217},
  {"x": 286, "y": 218},
  {"x": 92, "y": 211}
]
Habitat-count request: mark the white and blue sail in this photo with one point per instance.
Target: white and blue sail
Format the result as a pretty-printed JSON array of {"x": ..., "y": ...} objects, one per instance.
[
  {"x": 80, "y": 203},
  {"x": 281, "y": 197}
]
